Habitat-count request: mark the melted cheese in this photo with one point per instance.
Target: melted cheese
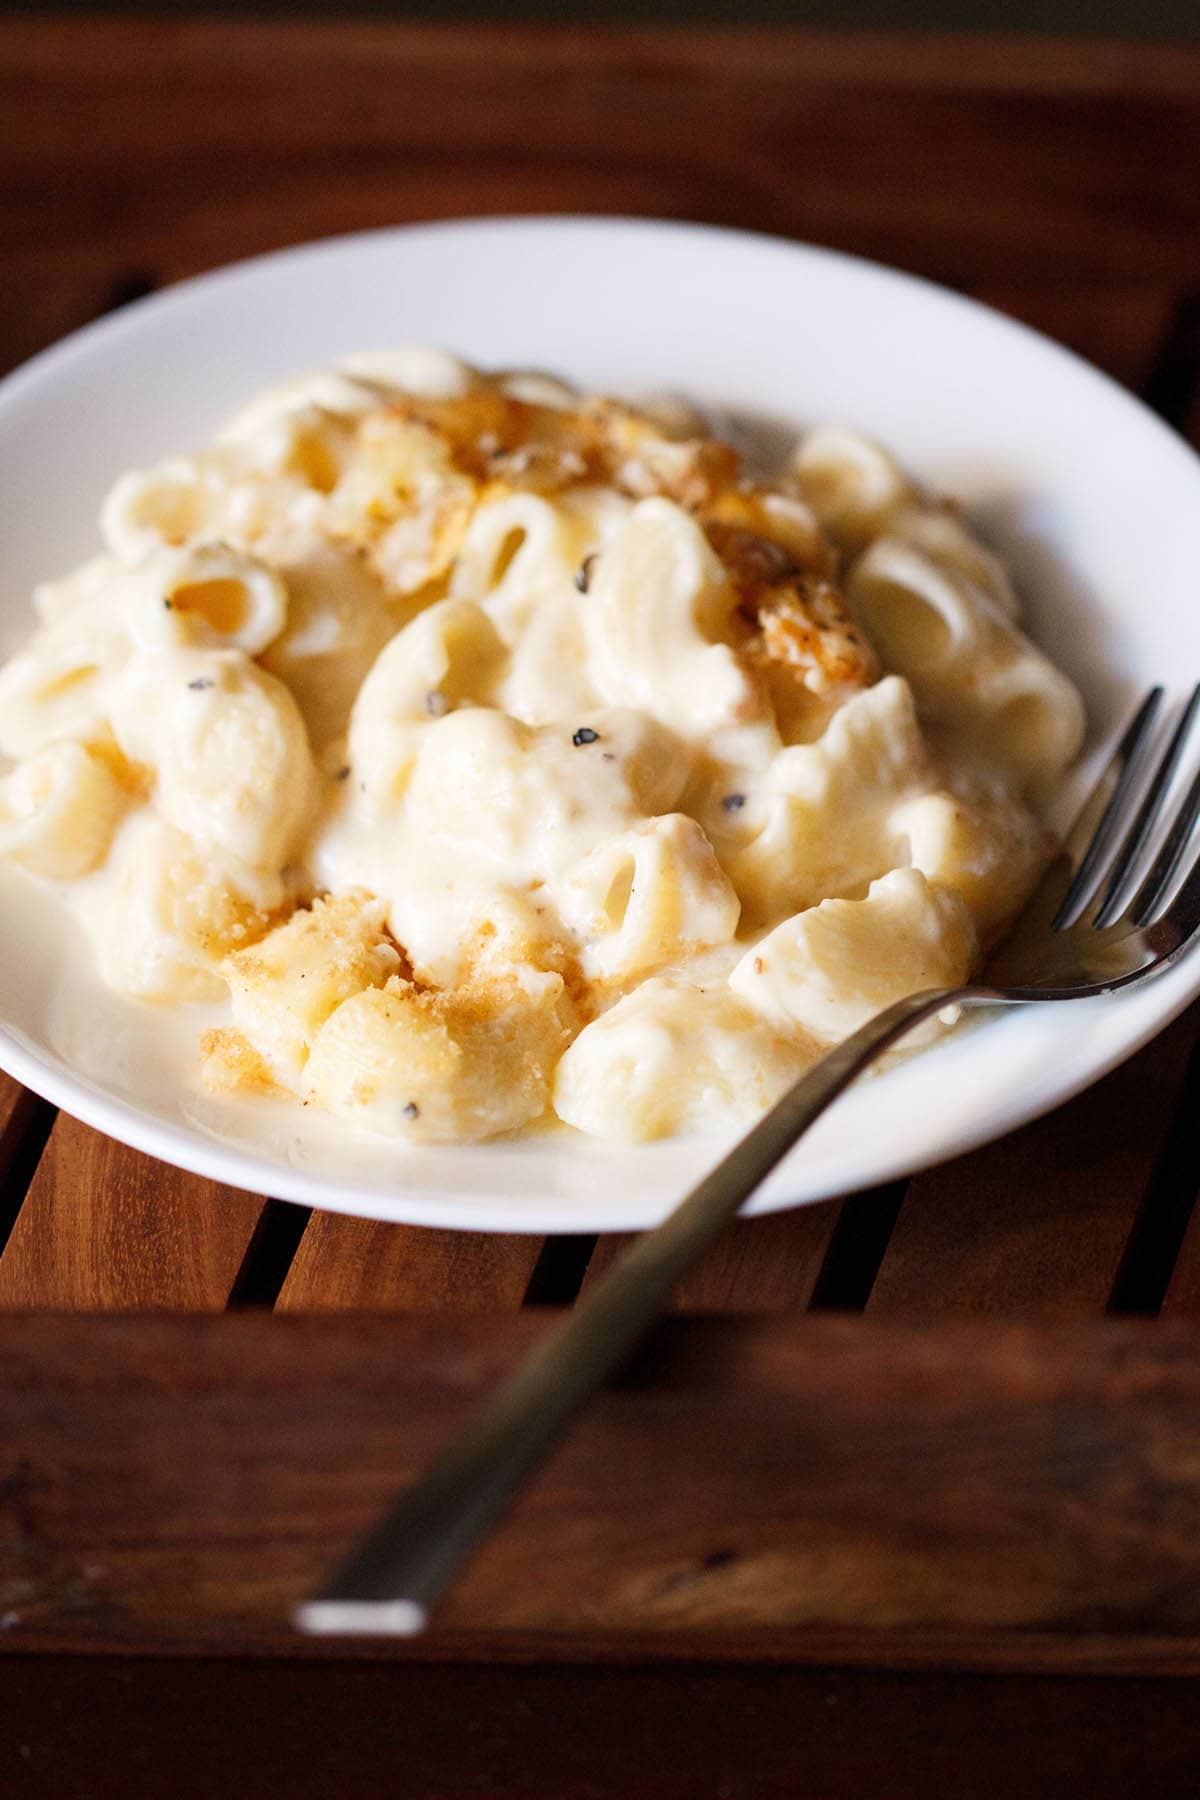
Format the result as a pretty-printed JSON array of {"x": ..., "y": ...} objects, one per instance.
[{"x": 501, "y": 752}]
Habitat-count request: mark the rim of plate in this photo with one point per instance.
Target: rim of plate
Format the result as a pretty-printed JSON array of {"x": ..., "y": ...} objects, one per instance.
[
  {"x": 252, "y": 1172},
  {"x": 189, "y": 1148}
]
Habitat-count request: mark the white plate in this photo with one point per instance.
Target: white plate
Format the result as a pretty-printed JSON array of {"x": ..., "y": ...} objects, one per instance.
[{"x": 1094, "y": 503}]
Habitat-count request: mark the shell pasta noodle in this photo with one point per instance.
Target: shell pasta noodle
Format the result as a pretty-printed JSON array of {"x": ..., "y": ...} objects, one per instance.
[{"x": 501, "y": 758}]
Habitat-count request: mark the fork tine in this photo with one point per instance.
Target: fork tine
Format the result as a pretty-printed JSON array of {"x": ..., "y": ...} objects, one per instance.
[
  {"x": 1184, "y": 911},
  {"x": 1166, "y": 864},
  {"x": 1147, "y": 817},
  {"x": 1125, "y": 759},
  {"x": 1183, "y": 914}
]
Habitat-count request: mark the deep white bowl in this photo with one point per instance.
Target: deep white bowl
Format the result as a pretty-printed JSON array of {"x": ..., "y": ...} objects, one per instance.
[{"x": 1093, "y": 502}]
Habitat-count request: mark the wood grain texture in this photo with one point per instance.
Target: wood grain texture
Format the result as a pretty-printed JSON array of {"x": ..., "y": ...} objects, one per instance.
[
  {"x": 104, "y": 1227},
  {"x": 1036, "y": 1224},
  {"x": 854, "y": 1491},
  {"x": 377, "y": 1267},
  {"x": 420, "y": 1731},
  {"x": 981, "y": 161}
]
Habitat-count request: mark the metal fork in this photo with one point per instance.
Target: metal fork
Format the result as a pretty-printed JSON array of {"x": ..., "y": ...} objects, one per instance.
[{"x": 1095, "y": 924}]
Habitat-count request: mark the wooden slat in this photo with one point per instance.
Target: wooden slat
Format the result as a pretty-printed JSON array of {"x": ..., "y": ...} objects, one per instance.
[
  {"x": 104, "y": 1227},
  {"x": 344, "y": 1262},
  {"x": 429, "y": 1731},
  {"x": 846, "y": 1490},
  {"x": 1015, "y": 161},
  {"x": 1037, "y": 1224},
  {"x": 766, "y": 1265}
]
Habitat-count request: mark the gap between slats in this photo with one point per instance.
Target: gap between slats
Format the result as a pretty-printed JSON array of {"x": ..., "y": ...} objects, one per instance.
[
  {"x": 560, "y": 1270},
  {"x": 1161, "y": 1264},
  {"x": 1144, "y": 1276},
  {"x": 1172, "y": 387},
  {"x": 26, "y": 1122},
  {"x": 269, "y": 1255}
]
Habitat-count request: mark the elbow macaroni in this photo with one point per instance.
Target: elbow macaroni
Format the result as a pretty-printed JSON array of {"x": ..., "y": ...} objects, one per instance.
[{"x": 501, "y": 756}]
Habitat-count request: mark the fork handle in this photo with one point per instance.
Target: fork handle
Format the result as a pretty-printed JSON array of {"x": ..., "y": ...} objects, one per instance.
[{"x": 401, "y": 1568}]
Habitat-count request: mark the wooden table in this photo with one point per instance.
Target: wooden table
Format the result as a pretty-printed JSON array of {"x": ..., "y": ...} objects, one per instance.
[{"x": 884, "y": 1445}]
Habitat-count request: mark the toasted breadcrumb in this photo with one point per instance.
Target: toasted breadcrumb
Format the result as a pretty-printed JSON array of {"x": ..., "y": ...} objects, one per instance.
[{"x": 231, "y": 1064}]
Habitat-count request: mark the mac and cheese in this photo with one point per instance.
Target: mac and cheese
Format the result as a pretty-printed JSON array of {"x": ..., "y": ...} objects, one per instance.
[{"x": 496, "y": 754}]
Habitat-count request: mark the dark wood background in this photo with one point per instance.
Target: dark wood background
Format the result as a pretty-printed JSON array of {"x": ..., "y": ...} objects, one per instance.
[
  {"x": 952, "y": 1425},
  {"x": 1161, "y": 19}
]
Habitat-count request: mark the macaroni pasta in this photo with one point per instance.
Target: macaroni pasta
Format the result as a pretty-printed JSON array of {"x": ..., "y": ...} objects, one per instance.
[{"x": 499, "y": 755}]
